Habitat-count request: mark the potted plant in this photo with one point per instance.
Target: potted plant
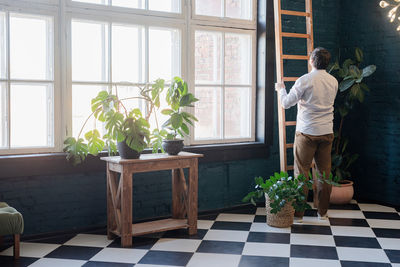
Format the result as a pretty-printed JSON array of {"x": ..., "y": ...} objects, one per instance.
[
  {"x": 177, "y": 125},
  {"x": 352, "y": 90},
  {"x": 127, "y": 131},
  {"x": 283, "y": 196}
]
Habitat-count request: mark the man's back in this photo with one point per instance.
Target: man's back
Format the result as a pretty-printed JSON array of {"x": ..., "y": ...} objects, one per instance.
[{"x": 315, "y": 106}]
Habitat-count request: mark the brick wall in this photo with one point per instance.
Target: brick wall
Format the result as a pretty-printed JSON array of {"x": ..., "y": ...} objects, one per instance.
[{"x": 375, "y": 125}]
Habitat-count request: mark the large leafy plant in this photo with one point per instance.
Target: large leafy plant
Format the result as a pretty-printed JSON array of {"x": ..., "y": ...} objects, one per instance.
[
  {"x": 121, "y": 124},
  {"x": 281, "y": 189},
  {"x": 352, "y": 90},
  {"x": 178, "y": 98}
]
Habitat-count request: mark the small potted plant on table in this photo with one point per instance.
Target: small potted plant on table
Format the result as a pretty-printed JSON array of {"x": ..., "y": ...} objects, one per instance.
[{"x": 177, "y": 125}]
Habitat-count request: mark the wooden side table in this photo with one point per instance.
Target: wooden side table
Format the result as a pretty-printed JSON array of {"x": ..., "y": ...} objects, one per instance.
[{"x": 119, "y": 194}]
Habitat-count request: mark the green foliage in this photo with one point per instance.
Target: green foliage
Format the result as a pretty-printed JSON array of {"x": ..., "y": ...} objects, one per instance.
[
  {"x": 352, "y": 91},
  {"x": 283, "y": 189},
  {"x": 178, "y": 97},
  {"x": 126, "y": 126}
]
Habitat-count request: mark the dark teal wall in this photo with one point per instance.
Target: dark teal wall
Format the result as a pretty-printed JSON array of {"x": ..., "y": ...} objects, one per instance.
[
  {"x": 375, "y": 126},
  {"x": 66, "y": 202}
]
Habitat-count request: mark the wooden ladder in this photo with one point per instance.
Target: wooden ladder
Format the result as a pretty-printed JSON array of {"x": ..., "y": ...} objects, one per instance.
[{"x": 282, "y": 123}]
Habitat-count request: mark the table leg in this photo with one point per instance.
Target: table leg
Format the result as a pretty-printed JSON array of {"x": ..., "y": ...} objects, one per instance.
[
  {"x": 192, "y": 197},
  {"x": 126, "y": 208},
  {"x": 110, "y": 208},
  {"x": 177, "y": 191}
]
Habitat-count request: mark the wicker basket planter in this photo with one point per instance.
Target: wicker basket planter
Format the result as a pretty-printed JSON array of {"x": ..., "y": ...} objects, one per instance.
[{"x": 284, "y": 218}]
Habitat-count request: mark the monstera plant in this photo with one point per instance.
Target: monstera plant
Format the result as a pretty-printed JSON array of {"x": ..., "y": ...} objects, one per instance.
[
  {"x": 124, "y": 129},
  {"x": 352, "y": 90}
]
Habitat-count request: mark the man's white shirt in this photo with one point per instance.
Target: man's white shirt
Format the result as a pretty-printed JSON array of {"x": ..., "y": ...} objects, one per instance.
[{"x": 314, "y": 93}]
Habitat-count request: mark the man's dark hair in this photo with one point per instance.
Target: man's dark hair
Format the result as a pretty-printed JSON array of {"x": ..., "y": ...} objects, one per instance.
[{"x": 320, "y": 57}]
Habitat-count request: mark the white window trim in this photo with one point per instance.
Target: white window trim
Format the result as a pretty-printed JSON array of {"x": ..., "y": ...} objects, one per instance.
[
  {"x": 223, "y": 85},
  {"x": 110, "y": 17},
  {"x": 224, "y": 21},
  {"x": 38, "y": 10}
]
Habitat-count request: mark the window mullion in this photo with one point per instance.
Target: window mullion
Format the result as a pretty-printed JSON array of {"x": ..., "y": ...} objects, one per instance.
[
  {"x": 8, "y": 86},
  {"x": 223, "y": 86},
  {"x": 109, "y": 40}
]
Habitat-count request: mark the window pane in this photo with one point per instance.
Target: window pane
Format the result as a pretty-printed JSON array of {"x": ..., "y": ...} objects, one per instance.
[
  {"x": 89, "y": 51},
  {"x": 208, "y": 112},
  {"x": 165, "y": 5},
  {"x": 81, "y": 108},
  {"x": 238, "y": 63},
  {"x": 208, "y": 57},
  {"x": 164, "y": 60},
  {"x": 210, "y": 8},
  {"x": 129, "y": 3},
  {"x": 31, "y": 115},
  {"x": 31, "y": 47},
  {"x": 237, "y": 112},
  {"x": 3, "y": 56},
  {"x": 239, "y": 9},
  {"x": 3, "y": 116},
  {"x": 127, "y": 54}
]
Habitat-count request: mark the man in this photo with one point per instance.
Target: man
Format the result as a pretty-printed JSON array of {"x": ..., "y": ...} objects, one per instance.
[{"x": 314, "y": 93}]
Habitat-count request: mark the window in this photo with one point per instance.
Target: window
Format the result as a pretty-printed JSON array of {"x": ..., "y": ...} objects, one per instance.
[
  {"x": 224, "y": 74},
  {"x": 55, "y": 55},
  {"x": 26, "y": 81},
  {"x": 116, "y": 56},
  {"x": 156, "y": 5}
]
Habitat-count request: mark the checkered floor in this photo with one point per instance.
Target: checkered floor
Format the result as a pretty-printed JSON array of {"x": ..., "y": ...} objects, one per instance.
[{"x": 355, "y": 235}]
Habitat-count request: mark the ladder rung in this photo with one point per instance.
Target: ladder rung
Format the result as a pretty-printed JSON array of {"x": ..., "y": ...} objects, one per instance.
[
  {"x": 299, "y": 57},
  {"x": 290, "y": 79},
  {"x": 295, "y": 35},
  {"x": 295, "y": 13},
  {"x": 290, "y": 123},
  {"x": 289, "y": 145},
  {"x": 290, "y": 167}
]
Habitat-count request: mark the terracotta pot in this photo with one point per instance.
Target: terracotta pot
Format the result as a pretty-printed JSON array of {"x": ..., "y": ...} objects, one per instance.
[{"x": 342, "y": 194}]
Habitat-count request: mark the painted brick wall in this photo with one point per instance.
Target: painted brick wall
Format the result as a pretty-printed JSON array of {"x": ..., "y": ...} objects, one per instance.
[
  {"x": 65, "y": 202},
  {"x": 375, "y": 127}
]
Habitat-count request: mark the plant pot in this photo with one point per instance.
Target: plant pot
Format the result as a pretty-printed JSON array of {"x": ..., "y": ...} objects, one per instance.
[
  {"x": 125, "y": 152},
  {"x": 342, "y": 194},
  {"x": 284, "y": 218},
  {"x": 172, "y": 147}
]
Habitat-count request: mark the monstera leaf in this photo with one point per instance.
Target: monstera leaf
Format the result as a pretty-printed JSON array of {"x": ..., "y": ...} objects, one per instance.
[
  {"x": 95, "y": 144},
  {"x": 76, "y": 150}
]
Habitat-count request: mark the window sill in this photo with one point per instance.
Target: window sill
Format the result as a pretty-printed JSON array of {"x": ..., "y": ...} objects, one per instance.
[{"x": 57, "y": 164}]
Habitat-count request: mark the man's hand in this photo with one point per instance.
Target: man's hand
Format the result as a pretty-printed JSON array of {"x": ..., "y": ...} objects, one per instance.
[{"x": 279, "y": 86}]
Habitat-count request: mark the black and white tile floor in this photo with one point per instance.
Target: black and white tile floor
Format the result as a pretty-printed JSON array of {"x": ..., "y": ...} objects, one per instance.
[{"x": 355, "y": 235}]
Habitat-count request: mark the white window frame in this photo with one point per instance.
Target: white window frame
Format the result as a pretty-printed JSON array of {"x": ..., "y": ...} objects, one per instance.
[
  {"x": 225, "y": 21},
  {"x": 224, "y": 25},
  {"x": 36, "y": 8},
  {"x": 109, "y": 15},
  {"x": 223, "y": 85}
]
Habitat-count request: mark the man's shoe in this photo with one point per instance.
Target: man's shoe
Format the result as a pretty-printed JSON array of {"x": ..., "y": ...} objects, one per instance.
[{"x": 323, "y": 217}]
